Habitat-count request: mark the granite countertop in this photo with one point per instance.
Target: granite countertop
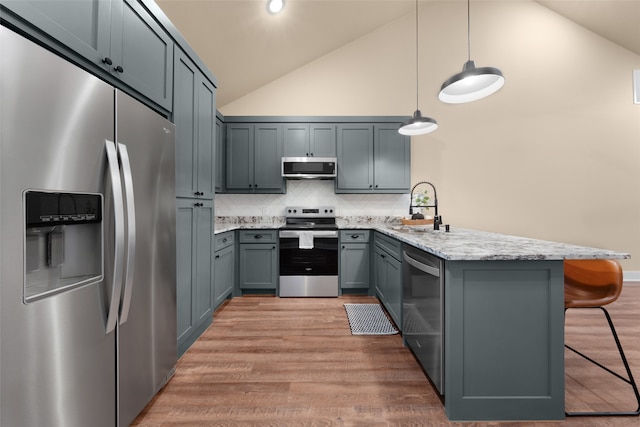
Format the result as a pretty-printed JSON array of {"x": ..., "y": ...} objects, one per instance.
[{"x": 459, "y": 244}]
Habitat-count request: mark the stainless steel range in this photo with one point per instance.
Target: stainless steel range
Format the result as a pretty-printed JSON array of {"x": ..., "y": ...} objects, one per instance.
[{"x": 309, "y": 252}]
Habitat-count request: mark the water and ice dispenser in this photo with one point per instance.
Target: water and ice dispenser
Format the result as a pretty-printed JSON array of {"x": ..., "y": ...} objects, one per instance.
[{"x": 63, "y": 242}]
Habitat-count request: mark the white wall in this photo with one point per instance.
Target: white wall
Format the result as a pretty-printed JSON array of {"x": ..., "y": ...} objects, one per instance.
[{"x": 554, "y": 155}]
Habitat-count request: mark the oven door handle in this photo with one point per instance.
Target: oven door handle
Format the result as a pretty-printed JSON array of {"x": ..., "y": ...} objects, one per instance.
[{"x": 316, "y": 233}]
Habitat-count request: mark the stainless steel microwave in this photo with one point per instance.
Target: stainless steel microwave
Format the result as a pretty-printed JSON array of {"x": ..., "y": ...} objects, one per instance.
[{"x": 309, "y": 167}]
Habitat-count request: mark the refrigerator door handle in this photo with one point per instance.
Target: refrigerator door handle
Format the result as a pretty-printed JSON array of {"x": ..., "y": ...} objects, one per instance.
[
  {"x": 127, "y": 176},
  {"x": 119, "y": 226}
]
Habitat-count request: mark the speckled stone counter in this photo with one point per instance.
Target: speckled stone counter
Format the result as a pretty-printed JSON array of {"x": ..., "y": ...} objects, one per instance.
[{"x": 459, "y": 244}]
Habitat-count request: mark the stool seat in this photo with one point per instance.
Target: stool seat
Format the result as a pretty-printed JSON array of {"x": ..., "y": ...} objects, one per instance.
[
  {"x": 591, "y": 282},
  {"x": 594, "y": 283}
]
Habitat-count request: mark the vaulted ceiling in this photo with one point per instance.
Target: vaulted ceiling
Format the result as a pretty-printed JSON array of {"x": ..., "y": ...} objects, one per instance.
[{"x": 246, "y": 47}]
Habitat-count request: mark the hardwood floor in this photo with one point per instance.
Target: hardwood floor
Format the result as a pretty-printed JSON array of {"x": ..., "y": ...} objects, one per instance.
[{"x": 268, "y": 361}]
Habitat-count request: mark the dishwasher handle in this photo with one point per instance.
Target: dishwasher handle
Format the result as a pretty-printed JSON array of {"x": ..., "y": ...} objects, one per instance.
[{"x": 433, "y": 271}]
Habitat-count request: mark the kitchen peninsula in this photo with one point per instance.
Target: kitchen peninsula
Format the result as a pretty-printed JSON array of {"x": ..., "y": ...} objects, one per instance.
[{"x": 503, "y": 308}]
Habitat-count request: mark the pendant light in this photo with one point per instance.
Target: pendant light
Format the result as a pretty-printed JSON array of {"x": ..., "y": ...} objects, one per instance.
[
  {"x": 472, "y": 83},
  {"x": 275, "y": 6},
  {"x": 418, "y": 125}
]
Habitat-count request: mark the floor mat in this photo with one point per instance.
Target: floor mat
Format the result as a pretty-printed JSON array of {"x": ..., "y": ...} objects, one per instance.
[{"x": 368, "y": 319}]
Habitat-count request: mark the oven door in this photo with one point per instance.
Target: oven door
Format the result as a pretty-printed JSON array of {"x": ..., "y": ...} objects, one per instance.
[{"x": 309, "y": 272}]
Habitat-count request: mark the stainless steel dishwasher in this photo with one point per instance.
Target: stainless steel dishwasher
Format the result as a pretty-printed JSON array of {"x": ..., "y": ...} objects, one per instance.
[{"x": 423, "y": 311}]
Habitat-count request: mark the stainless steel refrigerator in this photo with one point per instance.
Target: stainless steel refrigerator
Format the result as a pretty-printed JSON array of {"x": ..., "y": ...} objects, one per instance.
[{"x": 87, "y": 245}]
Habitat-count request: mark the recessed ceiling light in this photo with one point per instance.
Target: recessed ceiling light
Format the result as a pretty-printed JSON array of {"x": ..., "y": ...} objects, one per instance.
[{"x": 275, "y": 6}]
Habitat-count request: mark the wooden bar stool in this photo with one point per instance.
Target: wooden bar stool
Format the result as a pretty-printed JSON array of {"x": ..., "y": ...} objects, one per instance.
[{"x": 595, "y": 283}]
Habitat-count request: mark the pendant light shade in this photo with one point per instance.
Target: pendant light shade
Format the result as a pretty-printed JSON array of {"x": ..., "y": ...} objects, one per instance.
[
  {"x": 471, "y": 83},
  {"x": 417, "y": 125}
]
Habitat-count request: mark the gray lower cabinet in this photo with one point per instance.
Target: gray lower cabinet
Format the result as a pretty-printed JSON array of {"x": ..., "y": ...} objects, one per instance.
[
  {"x": 309, "y": 140},
  {"x": 258, "y": 261},
  {"x": 119, "y": 38},
  {"x": 387, "y": 271},
  {"x": 504, "y": 340},
  {"x": 354, "y": 261},
  {"x": 254, "y": 158},
  {"x": 373, "y": 158},
  {"x": 194, "y": 116},
  {"x": 223, "y": 267},
  {"x": 194, "y": 269}
]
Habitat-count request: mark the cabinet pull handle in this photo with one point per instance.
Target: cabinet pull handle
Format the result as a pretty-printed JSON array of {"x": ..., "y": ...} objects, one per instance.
[
  {"x": 370, "y": 186},
  {"x": 217, "y": 256},
  {"x": 273, "y": 247},
  {"x": 224, "y": 240},
  {"x": 342, "y": 246},
  {"x": 354, "y": 236},
  {"x": 376, "y": 185},
  {"x": 107, "y": 61},
  {"x": 119, "y": 69},
  {"x": 258, "y": 236}
]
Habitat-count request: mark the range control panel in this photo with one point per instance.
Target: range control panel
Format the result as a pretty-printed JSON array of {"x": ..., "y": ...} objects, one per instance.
[{"x": 310, "y": 212}]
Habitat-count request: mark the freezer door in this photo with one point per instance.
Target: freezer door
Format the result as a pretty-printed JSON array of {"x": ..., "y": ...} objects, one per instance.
[
  {"x": 147, "y": 329},
  {"x": 57, "y": 360}
]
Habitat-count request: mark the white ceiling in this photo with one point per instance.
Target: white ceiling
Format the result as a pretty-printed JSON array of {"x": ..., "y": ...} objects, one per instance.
[{"x": 246, "y": 48}]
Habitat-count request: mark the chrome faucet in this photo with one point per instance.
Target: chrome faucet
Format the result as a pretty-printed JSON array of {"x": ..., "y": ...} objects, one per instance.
[{"x": 437, "y": 219}]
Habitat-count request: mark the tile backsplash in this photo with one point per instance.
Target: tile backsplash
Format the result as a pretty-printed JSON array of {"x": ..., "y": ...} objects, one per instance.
[{"x": 312, "y": 193}]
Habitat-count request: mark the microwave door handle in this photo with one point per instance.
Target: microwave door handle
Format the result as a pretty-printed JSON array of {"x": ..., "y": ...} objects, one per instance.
[
  {"x": 420, "y": 266},
  {"x": 119, "y": 226},
  {"x": 127, "y": 177}
]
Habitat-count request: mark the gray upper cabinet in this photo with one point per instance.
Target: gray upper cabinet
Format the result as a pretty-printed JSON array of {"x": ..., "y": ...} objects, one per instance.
[
  {"x": 119, "y": 37},
  {"x": 309, "y": 140},
  {"x": 194, "y": 116},
  {"x": 254, "y": 156},
  {"x": 220, "y": 157},
  {"x": 373, "y": 158},
  {"x": 392, "y": 159},
  {"x": 355, "y": 158}
]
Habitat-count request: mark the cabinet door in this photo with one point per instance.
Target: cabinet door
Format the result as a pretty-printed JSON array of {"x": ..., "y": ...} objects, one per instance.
[
  {"x": 380, "y": 273},
  {"x": 355, "y": 158},
  {"x": 354, "y": 266},
  {"x": 239, "y": 146},
  {"x": 84, "y": 27},
  {"x": 268, "y": 159},
  {"x": 393, "y": 289},
  {"x": 143, "y": 51},
  {"x": 220, "y": 157},
  {"x": 206, "y": 97},
  {"x": 184, "y": 116},
  {"x": 204, "y": 297},
  {"x": 258, "y": 266},
  {"x": 296, "y": 140},
  {"x": 322, "y": 140},
  {"x": 185, "y": 267},
  {"x": 223, "y": 272},
  {"x": 392, "y": 154}
]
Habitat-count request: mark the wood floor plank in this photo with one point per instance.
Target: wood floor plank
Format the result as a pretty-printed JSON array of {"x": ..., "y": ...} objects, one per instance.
[{"x": 269, "y": 361}]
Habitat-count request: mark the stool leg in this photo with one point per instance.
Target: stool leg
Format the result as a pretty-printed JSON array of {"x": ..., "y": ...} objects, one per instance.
[{"x": 629, "y": 380}]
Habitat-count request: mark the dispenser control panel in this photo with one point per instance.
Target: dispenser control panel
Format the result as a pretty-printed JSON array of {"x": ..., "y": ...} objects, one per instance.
[{"x": 47, "y": 209}]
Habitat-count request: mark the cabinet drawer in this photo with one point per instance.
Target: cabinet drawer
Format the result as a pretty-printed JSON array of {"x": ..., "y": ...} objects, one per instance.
[
  {"x": 258, "y": 236},
  {"x": 389, "y": 244},
  {"x": 223, "y": 240},
  {"x": 354, "y": 236}
]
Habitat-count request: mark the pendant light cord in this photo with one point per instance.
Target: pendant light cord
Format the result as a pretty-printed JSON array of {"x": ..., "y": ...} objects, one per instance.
[
  {"x": 417, "y": 74},
  {"x": 468, "y": 30}
]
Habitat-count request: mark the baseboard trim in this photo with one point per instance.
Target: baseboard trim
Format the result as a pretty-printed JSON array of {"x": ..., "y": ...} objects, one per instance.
[{"x": 631, "y": 276}]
